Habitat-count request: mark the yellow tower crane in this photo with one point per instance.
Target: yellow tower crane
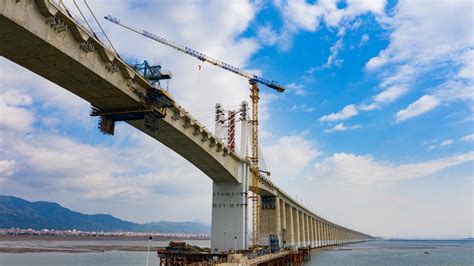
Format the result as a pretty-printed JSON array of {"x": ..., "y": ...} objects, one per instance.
[{"x": 254, "y": 90}]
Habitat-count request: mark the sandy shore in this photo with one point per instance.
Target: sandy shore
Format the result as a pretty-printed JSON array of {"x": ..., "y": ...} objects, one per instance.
[
  {"x": 108, "y": 244},
  {"x": 76, "y": 249},
  {"x": 85, "y": 238}
]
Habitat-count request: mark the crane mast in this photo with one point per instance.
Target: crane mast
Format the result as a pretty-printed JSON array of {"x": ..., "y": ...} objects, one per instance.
[{"x": 254, "y": 90}]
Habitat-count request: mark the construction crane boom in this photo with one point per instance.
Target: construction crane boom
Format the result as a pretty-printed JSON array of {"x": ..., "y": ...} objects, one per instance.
[{"x": 200, "y": 56}]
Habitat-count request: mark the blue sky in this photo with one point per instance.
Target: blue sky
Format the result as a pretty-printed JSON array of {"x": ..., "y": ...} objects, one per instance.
[{"x": 375, "y": 130}]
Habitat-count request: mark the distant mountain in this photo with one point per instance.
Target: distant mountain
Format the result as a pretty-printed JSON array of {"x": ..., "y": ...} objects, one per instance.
[{"x": 17, "y": 212}]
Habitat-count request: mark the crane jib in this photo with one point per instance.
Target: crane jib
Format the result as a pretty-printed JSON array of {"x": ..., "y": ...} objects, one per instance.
[{"x": 200, "y": 56}]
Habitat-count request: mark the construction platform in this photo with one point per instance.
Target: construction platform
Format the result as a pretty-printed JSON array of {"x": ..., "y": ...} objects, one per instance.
[{"x": 180, "y": 253}]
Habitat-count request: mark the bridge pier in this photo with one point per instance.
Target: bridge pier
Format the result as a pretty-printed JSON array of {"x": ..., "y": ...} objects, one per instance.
[
  {"x": 270, "y": 220},
  {"x": 288, "y": 236},
  {"x": 230, "y": 214},
  {"x": 296, "y": 224}
]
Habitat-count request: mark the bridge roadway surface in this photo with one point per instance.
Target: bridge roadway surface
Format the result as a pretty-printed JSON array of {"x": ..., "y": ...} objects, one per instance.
[{"x": 44, "y": 38}]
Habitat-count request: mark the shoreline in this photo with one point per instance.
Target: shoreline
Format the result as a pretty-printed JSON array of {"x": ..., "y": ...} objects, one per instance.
[
  {"x": 92, "y": 238},
  {"x": 137, "y": 244}
]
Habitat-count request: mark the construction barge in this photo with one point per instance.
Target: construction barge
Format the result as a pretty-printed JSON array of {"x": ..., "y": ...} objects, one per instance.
[{"x": 180, "y": 253}]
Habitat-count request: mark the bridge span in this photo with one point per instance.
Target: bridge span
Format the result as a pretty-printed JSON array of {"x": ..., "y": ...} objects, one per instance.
[{"x": 45, "y": 38}]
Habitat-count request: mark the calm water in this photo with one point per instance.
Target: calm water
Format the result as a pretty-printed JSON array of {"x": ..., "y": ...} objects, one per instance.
[
  {"x": 398, "y": 253},
  {"x": 386, "y": 252}
]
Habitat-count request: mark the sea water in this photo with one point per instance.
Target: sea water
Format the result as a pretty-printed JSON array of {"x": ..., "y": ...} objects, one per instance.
[
  {"x": 397, "y": 253},
  {"x": 379, "y": 252}
]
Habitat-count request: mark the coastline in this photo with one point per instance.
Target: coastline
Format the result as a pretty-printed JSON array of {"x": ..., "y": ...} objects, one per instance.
[{"x": 20, "y": 244}]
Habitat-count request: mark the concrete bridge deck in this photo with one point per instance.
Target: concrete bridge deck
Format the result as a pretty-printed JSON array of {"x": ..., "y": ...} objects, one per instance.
[{"x": 63, "y": 56}]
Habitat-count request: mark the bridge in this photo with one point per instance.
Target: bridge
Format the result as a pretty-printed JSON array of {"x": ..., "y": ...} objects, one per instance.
[{"x": 45, "y": 38}]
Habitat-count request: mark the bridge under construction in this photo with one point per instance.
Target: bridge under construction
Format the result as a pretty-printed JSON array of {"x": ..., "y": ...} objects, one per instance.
[{"x": 46, "y": 38}]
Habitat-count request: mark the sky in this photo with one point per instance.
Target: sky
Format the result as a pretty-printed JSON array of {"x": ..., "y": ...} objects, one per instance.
[{"x": 374, "y": 132}]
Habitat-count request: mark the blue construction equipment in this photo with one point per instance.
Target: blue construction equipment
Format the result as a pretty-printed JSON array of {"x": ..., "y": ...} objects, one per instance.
[{"x": 151, "y": 73}]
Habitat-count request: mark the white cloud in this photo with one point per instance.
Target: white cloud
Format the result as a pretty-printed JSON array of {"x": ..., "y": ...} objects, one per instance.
[
  {"x": 340, "y": 127},
  {"x": 364, "y": 169},
  {"x": 302, "y": 107},
  {"x": 416, "y": 30},
  {"x": 13, "y": 112},
  {"x": 26, "y": 90},
  {"x": 362, "y": 6},
  {"x": 431, "y": 147},
  {"x": 420, "y": 106},
  {"x": 347, "y": 112},
  {"x": 363, "y": 40},
  {"x": 300, "y": 15},
  {"x": 468, "y": 138},
  {"x": 391, "y": 94},
  {"x": 429, "y": 41},
  {"x": 289, "y": 155},
  {"x": 7, "y": 168},
  {"x": 297, "y": 89},
  {"x": 447, "y": 142},
  {"x": 467, "y": 69},
  {"x": 332, "y": 59},
  {"x": 266, "y": 35},
  {"x": 377, "y": 61}
]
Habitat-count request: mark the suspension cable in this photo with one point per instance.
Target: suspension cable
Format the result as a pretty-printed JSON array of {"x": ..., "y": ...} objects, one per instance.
[
  {"x": 100, "y": 26},
  {"x": 85, "y": 20}
]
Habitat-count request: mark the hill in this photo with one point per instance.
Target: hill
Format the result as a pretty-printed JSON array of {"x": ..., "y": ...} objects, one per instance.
[{"x": 17, "y": 212}]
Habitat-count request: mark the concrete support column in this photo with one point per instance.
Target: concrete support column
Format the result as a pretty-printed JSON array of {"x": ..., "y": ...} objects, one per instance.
[
  {"x": 296, "y": 224},
  {"x": 270, "y": 223},
  {"x": 333, "y": 231},
  {"x": 316, "y": 231},
  {"x": 339, "y": 235},
  {"x": 320, "y": 234},
  {"x": 306, "y": 229},
  {"x": 289, "y": 233},
  {"x": 331, "y": 234},
  {"x": 321, "y": 226},
  {"x": 283, "y": 222},
  {"x": 302, "y": 229},
  {"x": 277, "y": 217},
  {"x": 334, "y": 238},
  {"x": 311, "y": 226},
  {"x": 326, "y": 234},
  {"x": 229, "y": 217}
]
